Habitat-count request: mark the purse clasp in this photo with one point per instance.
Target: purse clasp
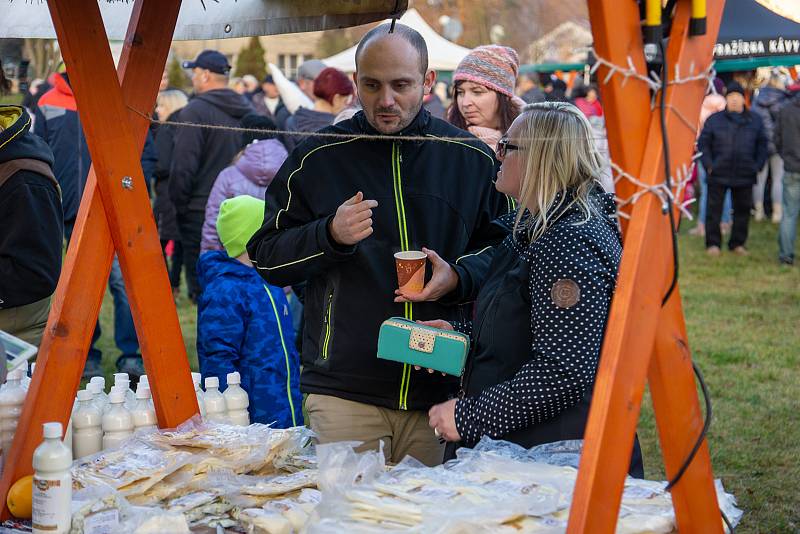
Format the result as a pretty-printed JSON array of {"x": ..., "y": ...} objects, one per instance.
[{"x": 422, "y": 340}]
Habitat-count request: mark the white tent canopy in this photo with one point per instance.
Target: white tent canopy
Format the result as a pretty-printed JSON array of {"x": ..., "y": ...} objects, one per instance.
[
  {"x": 211, "y": 19},
  {"x": 443, "y": 55}
]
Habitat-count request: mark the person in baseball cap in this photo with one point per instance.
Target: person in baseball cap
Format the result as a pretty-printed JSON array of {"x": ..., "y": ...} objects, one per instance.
[{"x": 210, "y": 60}]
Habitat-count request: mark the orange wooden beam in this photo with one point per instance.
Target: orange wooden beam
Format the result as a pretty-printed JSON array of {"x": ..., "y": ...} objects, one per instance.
[
  {"x": 81, "y": 287},
  {"x": 116, "y": 159},
  {"x": 680, "y": 421},
  {"x": 617, "y": 35},
  {"x": 637, "y": 319}
]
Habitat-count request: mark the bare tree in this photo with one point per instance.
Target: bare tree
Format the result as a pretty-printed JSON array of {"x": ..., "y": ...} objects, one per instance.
[{"x": 44, "y": 56}]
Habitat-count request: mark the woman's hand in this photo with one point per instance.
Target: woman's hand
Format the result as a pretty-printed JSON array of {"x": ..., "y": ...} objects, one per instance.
[
  {"x": 442, "y": 419},
  {"x": 443, "y": 281}
]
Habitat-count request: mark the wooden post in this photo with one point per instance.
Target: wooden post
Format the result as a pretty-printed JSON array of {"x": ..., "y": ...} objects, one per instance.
[
  {"x": 638, "y": 323},
  {"x": 115, "y": 136}
]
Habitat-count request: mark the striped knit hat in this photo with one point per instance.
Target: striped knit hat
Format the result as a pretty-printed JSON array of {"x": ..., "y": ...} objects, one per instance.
[{"x": 492, "y": 66}]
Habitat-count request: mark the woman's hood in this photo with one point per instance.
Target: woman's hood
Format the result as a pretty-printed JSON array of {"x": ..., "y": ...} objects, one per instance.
[{"x": 261, "y": 160}]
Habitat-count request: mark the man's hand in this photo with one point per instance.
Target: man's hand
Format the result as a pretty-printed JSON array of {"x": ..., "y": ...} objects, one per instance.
[
  {"x": 353, "y": 220},
  {"x": 442, "y": 419},
  {"x": 443, "y": 281}
]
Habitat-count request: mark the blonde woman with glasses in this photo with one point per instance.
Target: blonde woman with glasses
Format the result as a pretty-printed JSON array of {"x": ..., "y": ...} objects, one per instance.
[{"x": 543, "y": 297}]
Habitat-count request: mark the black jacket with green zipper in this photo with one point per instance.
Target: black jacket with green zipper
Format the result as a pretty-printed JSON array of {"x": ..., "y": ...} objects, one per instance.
[{"x": 436, "y": 193}]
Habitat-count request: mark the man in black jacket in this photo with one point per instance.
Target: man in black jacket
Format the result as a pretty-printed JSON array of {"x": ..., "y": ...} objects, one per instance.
[
  {"x": 31, "y": 227},
  {"x": 734, "y": 148},
  {"x": 339, "y": 209},
  {"x": 787, "y": 143},
  {"x": 200, "y": 154}
]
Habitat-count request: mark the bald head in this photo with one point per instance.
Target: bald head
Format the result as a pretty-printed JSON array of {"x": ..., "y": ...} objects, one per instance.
[
  {"x": 401, "y": 31},
  {"x": 392, "y": 77}
]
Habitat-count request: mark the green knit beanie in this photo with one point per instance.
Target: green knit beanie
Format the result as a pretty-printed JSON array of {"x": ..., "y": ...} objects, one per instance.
[{"x": 238, "y": 219}]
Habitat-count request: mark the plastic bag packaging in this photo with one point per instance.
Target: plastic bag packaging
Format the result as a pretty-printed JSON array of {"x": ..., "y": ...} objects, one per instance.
[
  {"x": 341, "y": 467},
  {"x": 727, "y": 503},
  {"x": 132, "y": 470},
  {"x": 97, "y": 510},
  {"x": 154, "y": 521},
  {"x": 293, "y": 97}
]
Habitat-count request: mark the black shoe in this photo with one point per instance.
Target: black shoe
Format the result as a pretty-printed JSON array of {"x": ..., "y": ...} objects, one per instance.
[
  {"x": 133, "y": 365},
  {"x": 786, "y": 261},
  {"x": 91, "y": 369}
]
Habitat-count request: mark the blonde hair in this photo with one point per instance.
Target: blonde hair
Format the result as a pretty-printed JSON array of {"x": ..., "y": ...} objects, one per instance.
[
  {"x": 171, "y": 100},
  {"x": 561, "y": 155}
]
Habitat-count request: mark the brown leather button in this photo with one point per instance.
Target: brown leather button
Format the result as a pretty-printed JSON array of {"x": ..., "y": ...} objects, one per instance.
[{"x": 565, "y": 293}]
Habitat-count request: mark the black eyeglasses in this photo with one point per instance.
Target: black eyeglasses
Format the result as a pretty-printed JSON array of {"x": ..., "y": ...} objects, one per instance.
[{"x": 503, "y": 146}]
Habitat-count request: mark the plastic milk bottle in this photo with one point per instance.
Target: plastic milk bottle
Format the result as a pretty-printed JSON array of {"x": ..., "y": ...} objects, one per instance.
[
  {"x": 236, "y": 401},
  {"x": 52, "y": 483},
  {"x": 12, "y": 397},
  {"x": 87, "y": 426},
  {"x": 215, "y": 403},
  {"x": 117, "y": 420},
  {"x": 144, "y": 416}
]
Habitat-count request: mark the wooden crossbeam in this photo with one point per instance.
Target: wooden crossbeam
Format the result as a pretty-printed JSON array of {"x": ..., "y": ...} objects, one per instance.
[
  {"x": 115, "y": 136},
  {"x": 645, "y": 339}
]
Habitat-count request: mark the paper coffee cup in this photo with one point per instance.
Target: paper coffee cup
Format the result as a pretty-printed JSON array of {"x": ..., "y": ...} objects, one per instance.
[{"x": 410, "y": 270}]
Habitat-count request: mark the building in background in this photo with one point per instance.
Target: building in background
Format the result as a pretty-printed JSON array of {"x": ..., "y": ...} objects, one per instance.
[{"x": 286, "y": 51}]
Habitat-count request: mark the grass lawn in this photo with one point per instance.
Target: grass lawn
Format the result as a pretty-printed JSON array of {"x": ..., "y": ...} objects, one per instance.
[{"x": 743, "y": 316}]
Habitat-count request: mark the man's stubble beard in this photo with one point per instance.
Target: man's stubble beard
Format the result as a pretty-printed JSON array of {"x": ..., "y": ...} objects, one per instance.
[{"x": 405, "y": 119}]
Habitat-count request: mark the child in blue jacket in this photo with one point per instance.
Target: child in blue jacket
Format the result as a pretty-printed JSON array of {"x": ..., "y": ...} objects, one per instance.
[{"x": 244, "y": 324}]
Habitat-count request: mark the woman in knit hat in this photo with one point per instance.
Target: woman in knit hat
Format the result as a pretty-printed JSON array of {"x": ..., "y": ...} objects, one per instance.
[{"x": 483, "y": 93}]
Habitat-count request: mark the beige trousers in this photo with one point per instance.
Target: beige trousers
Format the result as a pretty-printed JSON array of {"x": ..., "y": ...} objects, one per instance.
[
  {"x": 26, "y": 322},
  {"x": 402, "y": 432}
]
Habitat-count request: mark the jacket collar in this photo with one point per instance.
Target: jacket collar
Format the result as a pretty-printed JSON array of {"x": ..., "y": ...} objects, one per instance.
[
  {"x": 417, "y": 127},
  {"x": 15, "y": 122}
]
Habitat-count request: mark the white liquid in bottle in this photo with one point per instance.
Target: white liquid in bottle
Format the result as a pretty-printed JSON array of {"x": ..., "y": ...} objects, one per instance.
[
  {"x": 144, "y": 416},
  {"x": 117, "y": 420},
  {"x": 87, "y": 425},
  {"x": 12, "y": 397},
  {"x": 215, "y": 403},
  {"x": 236, "y": 401},
  {"x": 196, "y": 378},
  {"x": 52, "y": 484}
]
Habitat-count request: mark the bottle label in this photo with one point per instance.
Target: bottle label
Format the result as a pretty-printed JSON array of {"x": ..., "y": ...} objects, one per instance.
[
  {"x": 105, "y": 522},
  {"x": 51, "y": 504}
]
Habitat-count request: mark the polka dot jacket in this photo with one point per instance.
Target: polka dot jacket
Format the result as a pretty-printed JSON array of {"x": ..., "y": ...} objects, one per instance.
[{"x": 540, "y": 319}]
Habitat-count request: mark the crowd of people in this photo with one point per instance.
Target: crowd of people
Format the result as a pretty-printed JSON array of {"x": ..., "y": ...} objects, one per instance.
[
  {"x": 741, "y": 147},
  {"x": 285, "y": 239}
]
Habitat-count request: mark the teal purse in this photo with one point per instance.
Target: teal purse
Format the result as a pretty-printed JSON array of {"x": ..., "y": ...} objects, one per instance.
[{"x": 404, "y": 341}]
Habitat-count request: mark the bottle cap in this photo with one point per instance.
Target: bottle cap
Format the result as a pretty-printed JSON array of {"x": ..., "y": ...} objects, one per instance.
[
  {"x": 197, "y": 378},
  {"x": 85, "y": 395},
  {"x": 53, "y": 430},
  {"x": 117, "y": 396},
  {"x": 212, "y": 382},
  {"x": 93, "y": 388},
  {"x": 142, "y": 392},
  {"x": 100, "y": 380},
  {"x": 143, "y": 380},
  {"x": 234, "y": 378},
  {"x": 33, "y": 368},
  {"x": 120, "y": 376}
]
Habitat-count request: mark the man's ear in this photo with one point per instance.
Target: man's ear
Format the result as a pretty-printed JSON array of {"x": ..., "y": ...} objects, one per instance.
[
  {"x": 355, "y": 79},
  {"x": 429, "y": 81}
]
